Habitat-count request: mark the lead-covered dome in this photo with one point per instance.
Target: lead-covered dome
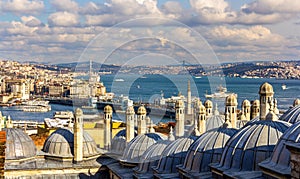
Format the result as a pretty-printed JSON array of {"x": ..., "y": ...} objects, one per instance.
[
  {"x": 292, "y": 115},
  {"x": 173, "y": 155},
  {"x": 137, "y": 146},
  {"x": 251, "y": 145},
  {"x": 61, "y": 144},
  {"x": 206, "y": 149},
  {"x": 18, "y": 145},
  {"x": 150, "y": 159},
  {"x": 118, "y": 143},
  {"x": 214, "y": 121},
  {"x": 279, "y": 162}
]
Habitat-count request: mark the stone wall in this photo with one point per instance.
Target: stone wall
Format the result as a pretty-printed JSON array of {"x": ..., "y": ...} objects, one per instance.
[
  {"x": 2, "y": 152},
  {"x": 294, "y": 148}
]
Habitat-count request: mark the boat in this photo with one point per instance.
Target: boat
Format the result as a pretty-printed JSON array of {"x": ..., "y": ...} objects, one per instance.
[
  {"x": 119, "y": 80},
  {"x": 221, "y": 93},
  {"x": 283, "y": 86},
  {"x": 60, "y": 119},
  {"x": 35, "y": 106}
]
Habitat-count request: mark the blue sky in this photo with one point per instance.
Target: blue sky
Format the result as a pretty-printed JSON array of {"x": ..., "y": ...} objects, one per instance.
[{"x": 60, "y": 30}]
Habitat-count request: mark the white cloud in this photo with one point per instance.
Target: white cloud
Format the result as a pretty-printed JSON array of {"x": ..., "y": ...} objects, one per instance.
[
  {"x": 22, "y": 6},
  {"x": 64, "y": 19},
  {"x": 65, "y": 5},
  {"x": 271, "y": 6},
  {"x": 31, "y": 21}
]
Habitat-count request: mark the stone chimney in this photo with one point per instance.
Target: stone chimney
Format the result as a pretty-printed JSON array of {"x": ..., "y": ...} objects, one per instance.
[
  {"x": 130, "y": 123},
  {"x": 78, "y": 136},
  {"x": 266, "y": 94},
  {"x": 179, "y": 110},
  {"x": 230, "y": 109},
  {"x": 141, "y": 120},
  {"x": 107, "y": 126}
]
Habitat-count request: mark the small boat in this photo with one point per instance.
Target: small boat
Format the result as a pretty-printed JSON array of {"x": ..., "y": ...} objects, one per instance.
[
  {"x": 197, "y": 77},
  {"x": 119, "y": 80},
  {"x": 283, "y": 86}
]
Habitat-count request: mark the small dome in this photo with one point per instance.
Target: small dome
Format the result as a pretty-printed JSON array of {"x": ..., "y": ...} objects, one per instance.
[
  {"x": 251, "y": 145},
  {"x": 266, "y": 89},
  {"x": 202, "y": 109},
  {"x": 256, "y": 103},
  {"x": 78, "y": 112},
  {"x": 150, "y": 158},
  {"x": 231, "y": 100},
  {"x": 292, "y": 115},
  {"x": 246, "y": 103},
  {"x": 214, "y": 121},
  {"x": 208, "y": 104},
  {"x": 18, "y": 145},
  {"x": 179, "y": 104},
  {"x": 141, "y": 110},
  {"x": 118, "y": 143},
  {"x": 296, "y": 102},
  {"x": 173, "y": 155},
  {"x": 137, "y": 146},
  {"x": 130, "y": 110},
  {"x": 108, "y": 109},
  {"x": 280, "y": 158},
  {"x": 61, "y": 144},
  {"x": 207, "y": 149}
]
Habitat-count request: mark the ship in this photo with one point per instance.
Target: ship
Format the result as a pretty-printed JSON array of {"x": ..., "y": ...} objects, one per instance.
[
  {"x": 221, "y": 93},
  {"x": 283, "y": 86},
  {"x": 60, "y": 119},
  {"x": 34, "y": 106},
  {"x": 118, "y": 103}
]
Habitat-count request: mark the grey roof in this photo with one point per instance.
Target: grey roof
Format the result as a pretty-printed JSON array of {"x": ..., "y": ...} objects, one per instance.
[
  {"x": 138, "y": 145},
  {"x": 251, "y": 145},
  {"x": 280, "y": 158},
  {"x": 292, "y": 115},
  {"x": 173, "y": 155},
  {"x": 206, "y": 149},
  {"x": 214, "y": 121},
  {"x": 18, "y": 145},
  {"x": 150, "y": 158},
  {"x": 61, "y": 144},
  {"x": 118, "y": 143}
]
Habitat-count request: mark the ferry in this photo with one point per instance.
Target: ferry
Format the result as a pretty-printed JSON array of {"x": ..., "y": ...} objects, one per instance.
[
  {"x": 35, "y": 106},
  {"x": 221, "y": 93},
  {"x": 60, "y": 119}
]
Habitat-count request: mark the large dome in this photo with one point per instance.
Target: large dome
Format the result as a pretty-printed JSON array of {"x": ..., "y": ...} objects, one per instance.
[
  {"x": 150, "y": 158},
  {"x": 173, "y": 155},
  {"x": 280, "y": 159},
  {"x": 206, "y": 149},
  {"x": 137, "y": 146},
  {"x": 18, "y": 145},
  {"x": 214, "y": 121},
  {"x": 292, "y": 115},
  {"x": 61, "y": 144},
  {"x": 250, "y": 145},
  {"x": 118, "y": 143}
]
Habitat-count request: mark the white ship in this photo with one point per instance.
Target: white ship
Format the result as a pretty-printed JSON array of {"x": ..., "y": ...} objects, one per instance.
[
  {"x": 221, "y": 93},
  {"x": 283, "y": 86},
  {"x": 35, "y": 106},
  {"x": 60, "y": 119}
]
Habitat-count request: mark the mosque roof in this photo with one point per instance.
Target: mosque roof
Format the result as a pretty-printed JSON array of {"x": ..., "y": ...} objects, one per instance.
[
  {"x": 280, "y": 158},
  {"x": 61, "y": 144},
  {"x": 292, "y": 115},
  {"x": 118, "y": 143},
  {"x": 18, "y": 145},
  {"x": 251, "y": 145}
]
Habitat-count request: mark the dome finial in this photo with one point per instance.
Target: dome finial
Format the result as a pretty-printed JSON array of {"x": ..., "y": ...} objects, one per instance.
[
  {"x": 196, "y": 131},
  {"x": 171, "y": 136}
]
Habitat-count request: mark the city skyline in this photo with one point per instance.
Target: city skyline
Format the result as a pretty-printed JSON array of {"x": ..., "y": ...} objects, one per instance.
[{"x": 59, "y": 31}]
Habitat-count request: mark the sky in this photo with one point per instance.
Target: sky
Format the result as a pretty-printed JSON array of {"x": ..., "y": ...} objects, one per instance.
[{"x": 118, "y": 31}]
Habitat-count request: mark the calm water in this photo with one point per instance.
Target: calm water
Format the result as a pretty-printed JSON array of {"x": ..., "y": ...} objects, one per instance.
[{"x": 147, "y": 88}]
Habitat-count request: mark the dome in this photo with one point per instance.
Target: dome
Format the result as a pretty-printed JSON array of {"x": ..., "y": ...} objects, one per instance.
[
  {"x": 231, "y": 100},
  {"x": 214, "y": 121},
  {"x": 179, "y": 104},
  {"x": 118, "y": 143},
  {"x": 78, "y": 112},
  {"x": 141, "y": 110},
  {"x": 266, "y": 89},
  {"x": 250, "y": 145},
  {"x": 61, "y": 144},
  {"x": 296, "y": 102},
  {"x": 208, "y": 104},
  {"x": 256, "y": 103},
  {"x": 18, "y": 145},
  {"x": 173, "y": 155},
  {"x": 280, "y": 158},
  {"x": 108, "y": 109},
  {"x": 246, "y": 103},
  {"x": 150, "y": 158},
  {"x": 137, "y": 146},
  {"x": 202, "y": 109},
  {"x": 292, "y": 115},
  {"x": 130, "y": 110},
  {"x": 206, "y": 149}
]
